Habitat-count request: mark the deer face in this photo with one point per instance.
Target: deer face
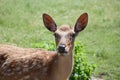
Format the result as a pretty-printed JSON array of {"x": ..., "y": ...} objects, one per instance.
[{"x": 65, "y": 35}]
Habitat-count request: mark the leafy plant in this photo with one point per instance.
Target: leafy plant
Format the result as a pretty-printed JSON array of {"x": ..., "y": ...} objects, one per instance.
[{"x": 82, "y": 69}]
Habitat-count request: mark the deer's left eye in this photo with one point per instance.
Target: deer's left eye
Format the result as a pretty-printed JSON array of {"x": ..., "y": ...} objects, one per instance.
[{"x": 72, "y": 35}]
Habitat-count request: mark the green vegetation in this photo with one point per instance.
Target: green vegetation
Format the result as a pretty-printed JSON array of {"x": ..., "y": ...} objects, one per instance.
[
  {"x": 82, "y": 70},
  {"x": 21, "y": 24}
]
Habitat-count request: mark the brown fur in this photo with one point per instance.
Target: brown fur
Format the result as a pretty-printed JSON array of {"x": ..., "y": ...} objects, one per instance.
[
  {"x": 65, "y": 28},
  {"x": 19, "y": 63}
]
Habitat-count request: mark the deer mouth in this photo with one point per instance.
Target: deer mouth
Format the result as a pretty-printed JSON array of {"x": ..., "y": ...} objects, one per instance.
[
  {"x": 62, "y": 50},
  {"x": 62, "y": 53}
]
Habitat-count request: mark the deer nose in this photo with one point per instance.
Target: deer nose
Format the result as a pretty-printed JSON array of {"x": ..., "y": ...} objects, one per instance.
[{"x": 61, "y": 48}]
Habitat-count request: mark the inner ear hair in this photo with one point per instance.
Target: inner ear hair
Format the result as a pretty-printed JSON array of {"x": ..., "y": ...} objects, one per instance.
[{"x": 81, "y": 23}]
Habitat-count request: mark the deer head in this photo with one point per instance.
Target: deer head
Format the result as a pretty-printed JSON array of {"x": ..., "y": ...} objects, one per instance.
[{"x": 65, "y": 35}]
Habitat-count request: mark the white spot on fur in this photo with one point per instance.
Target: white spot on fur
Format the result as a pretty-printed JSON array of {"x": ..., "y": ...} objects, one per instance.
[
  {"x": 48, "y": 57},
  {"x": 36, "y": 79},
  {"x": 27, "y": 77},
  {"x": 25, "y": 69}
]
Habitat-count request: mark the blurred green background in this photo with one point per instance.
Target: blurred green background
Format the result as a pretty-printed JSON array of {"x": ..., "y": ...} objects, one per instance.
[{"x": 21, "y": 24}]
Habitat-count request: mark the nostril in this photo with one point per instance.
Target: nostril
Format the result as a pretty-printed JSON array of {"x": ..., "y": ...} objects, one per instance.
[{"x": 61, "y": 48}]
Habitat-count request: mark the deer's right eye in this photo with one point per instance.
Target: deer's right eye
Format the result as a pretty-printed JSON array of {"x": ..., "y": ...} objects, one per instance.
[{"x": 56, "y": 35}]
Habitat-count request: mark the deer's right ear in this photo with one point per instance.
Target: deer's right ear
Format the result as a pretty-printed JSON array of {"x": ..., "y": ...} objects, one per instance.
[
  {"x": 81, "y": 23},
  {"x": 49, "y": 23}
]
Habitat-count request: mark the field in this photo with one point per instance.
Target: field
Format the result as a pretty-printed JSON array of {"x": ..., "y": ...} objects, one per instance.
[{"x": 21, "y": 24}]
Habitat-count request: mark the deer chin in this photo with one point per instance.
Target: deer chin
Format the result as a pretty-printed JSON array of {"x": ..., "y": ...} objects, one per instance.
[{"x": 63, "y": 53}]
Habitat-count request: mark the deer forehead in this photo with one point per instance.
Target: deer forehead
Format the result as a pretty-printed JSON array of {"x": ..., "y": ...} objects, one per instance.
[{"x": 64, "y": 30}]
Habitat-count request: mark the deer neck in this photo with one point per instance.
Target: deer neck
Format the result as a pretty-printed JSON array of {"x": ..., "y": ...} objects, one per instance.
[{"x": 62, "y": 67}]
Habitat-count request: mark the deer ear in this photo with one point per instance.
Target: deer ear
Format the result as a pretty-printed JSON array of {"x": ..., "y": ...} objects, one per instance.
[
  {"x": 49, "y": 23},
  {"x": 81, "y": 23}
]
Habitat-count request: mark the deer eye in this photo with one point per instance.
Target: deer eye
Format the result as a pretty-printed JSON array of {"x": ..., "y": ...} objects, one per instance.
[
  {"x": 72, "y": 35},
  {"x": 56, "y": 35}
]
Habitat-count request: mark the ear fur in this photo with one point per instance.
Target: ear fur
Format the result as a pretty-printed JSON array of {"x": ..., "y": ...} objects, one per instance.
[
  {"x": 81, "y": 23},
  {"x": 49, "y": 22}
]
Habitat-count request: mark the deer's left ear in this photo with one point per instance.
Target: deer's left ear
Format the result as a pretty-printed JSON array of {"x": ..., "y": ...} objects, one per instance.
[
  {"x": 81, "y": 23},
  {"x": 49, "y": 22}
]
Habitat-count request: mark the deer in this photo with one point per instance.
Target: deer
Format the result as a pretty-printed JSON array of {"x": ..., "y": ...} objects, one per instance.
[{"x": 18, "y": 63}]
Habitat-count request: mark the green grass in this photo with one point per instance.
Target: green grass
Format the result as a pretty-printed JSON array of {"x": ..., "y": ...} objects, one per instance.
[{"x": 21, "y": 24}]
